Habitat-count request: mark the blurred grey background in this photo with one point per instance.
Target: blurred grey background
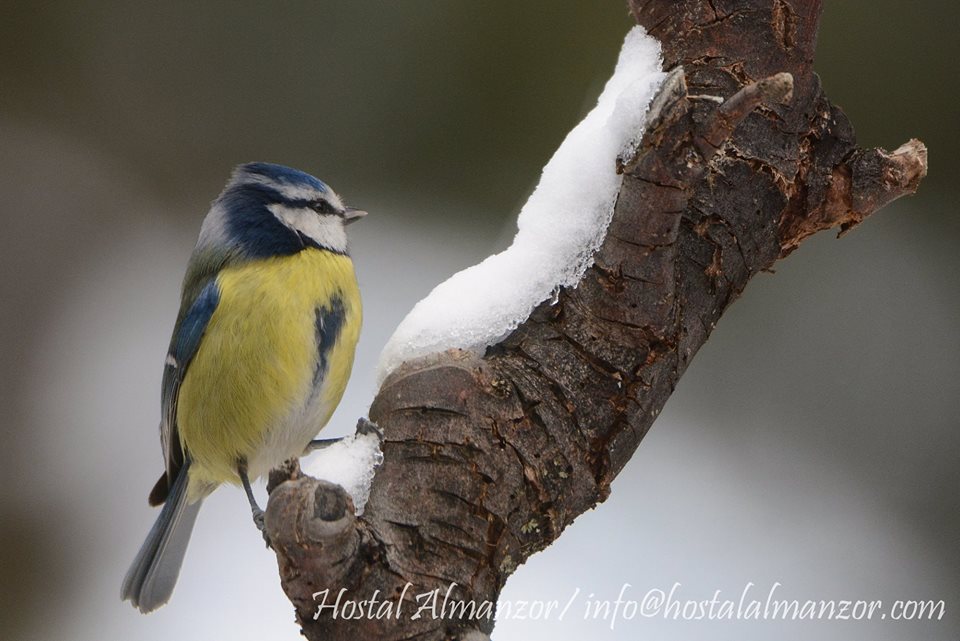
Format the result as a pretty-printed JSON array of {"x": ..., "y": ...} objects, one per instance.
[{"x": 813, "y": 442}]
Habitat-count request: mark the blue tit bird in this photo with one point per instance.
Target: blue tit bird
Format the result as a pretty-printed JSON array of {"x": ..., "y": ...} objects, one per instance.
[{"x": 261, "y": 352}]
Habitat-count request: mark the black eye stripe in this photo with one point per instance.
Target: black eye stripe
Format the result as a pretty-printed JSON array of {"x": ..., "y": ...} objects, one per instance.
[{"x": 320, "y": 206}]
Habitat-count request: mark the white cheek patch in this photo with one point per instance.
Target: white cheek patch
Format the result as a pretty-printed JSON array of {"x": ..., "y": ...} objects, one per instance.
[{"x": 325, "y": 230}]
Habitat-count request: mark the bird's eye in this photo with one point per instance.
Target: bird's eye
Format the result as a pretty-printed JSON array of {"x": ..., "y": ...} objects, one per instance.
[{"x": 321, "y": 207}]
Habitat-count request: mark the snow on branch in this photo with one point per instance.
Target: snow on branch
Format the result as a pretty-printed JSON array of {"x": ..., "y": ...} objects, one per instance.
[{"x": 558, "y": 231}]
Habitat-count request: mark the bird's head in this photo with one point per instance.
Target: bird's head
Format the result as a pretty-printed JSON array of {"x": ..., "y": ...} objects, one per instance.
[{"x": 269, "y": 210}]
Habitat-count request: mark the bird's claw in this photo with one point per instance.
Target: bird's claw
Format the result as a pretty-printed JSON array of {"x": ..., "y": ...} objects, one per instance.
[{"x": 259, "y": 520}]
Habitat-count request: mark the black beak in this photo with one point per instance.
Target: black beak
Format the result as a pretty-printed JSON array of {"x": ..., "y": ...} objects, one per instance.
[{"x": 351, "y": 215}]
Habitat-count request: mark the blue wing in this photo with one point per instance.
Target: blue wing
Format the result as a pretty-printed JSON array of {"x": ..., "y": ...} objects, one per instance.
[
  {"x": 187, "y": 336},
  {"x": 186, "y": 340}
]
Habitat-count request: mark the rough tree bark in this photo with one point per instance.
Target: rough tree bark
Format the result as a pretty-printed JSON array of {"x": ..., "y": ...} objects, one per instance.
[{"x": 488, "y": 458}]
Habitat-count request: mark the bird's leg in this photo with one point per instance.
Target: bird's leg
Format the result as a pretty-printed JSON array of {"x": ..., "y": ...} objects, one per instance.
[
  {"x": 319, "y": 444},
  {"x": 258, "y": 517}
]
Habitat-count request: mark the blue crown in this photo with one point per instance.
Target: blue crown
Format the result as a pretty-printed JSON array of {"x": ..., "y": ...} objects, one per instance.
[{"x": 279, "y": 174}]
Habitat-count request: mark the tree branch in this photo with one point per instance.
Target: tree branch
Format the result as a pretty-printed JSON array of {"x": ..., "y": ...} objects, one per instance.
[{"x": 488, "y": 458}]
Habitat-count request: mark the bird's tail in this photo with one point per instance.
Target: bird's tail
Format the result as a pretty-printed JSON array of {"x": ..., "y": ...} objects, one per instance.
[{"x": 149, "y": 581}]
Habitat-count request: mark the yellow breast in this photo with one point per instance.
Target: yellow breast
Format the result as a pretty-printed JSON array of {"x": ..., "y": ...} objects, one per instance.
[{"x": 253, "y": 390}]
